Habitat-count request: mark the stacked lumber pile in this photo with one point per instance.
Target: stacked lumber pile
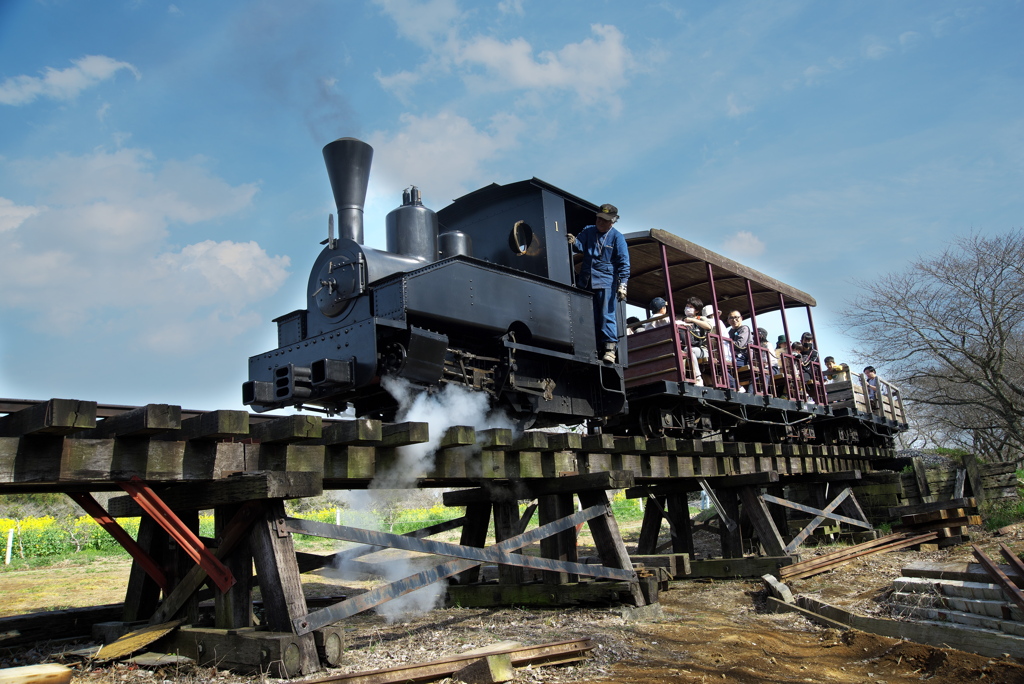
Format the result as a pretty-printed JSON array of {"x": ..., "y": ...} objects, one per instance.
[
  {"x": 948, "y": 518},
  {"x": 879, "y": 491},
  {"x": 982, "y": 596}
]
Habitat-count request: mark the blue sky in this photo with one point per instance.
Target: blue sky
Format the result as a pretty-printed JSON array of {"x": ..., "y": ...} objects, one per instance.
[{"x": 163, "y": 194}]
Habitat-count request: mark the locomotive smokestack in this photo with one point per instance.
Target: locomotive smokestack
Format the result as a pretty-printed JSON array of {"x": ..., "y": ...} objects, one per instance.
[{"x": 348, "y": 168}]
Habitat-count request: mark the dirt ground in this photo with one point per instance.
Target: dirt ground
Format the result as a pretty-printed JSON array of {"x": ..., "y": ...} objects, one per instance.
[{"x": 709, "y": 632}]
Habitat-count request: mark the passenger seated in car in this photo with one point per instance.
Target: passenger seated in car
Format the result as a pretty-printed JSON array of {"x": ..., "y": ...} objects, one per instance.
[
  {"x": 808, "y": 355},
  {"x": 771, "y": 362},
  {"x": 836, "y": 372},
  {"x": 658, "y": 307},
  {"x": 632, "y": 324},
  {"x": 740, "y": 336},
  {"x": 697, "y": 326}
]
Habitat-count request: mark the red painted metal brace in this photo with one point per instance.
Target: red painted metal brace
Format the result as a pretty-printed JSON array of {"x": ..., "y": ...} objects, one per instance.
[
  {"x": 103, "y": 519},
  {"x": 154, "y": 506}
]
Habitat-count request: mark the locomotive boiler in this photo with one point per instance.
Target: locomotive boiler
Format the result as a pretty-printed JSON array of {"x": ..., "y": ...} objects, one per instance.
[{"x": 480, "y": 295}]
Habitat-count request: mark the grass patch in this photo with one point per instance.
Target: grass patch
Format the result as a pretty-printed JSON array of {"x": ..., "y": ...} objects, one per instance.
[{"x": 1001, "y": 513}]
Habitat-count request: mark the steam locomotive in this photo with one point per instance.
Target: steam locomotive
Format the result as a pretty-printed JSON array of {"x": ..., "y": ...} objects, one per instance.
[
  {"x": 482, "y": 294},
  {"x": 488, "y": 302}
]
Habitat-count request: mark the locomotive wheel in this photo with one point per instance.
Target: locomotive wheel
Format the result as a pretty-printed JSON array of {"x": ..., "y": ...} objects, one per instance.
[{"x": 650, "y": 421}]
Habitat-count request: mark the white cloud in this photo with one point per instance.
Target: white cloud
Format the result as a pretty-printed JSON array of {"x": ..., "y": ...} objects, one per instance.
[
  {"x": 595, "y": 68},
  {"x": 12, "y": 215},
  {"x": 64, "y": 84},
  {"x": 444, "y": 155},
  {"x": 875, "y": 48},
  {"x": 733, "y": 109},
  {"x": 424, "y": 22},
  {"x": 96, "y": 257},
  {"x": 117, "y": 201},
  {"x": 743, "y": 245},
  {"x": 511, "y": 7}
]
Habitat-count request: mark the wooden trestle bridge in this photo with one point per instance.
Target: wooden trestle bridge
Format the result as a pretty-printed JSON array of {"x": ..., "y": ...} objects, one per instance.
[{"x": 173, "y": 463}]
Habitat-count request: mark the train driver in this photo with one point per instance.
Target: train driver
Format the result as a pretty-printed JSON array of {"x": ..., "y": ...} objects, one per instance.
[{"x": 605, "y": 272}]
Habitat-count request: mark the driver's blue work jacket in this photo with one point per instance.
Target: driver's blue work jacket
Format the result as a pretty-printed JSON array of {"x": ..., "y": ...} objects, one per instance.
[{"x": 605, "y": 267}]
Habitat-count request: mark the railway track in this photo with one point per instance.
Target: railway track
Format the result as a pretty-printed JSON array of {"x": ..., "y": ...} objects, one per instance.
[{"x": 68, "y": 445}]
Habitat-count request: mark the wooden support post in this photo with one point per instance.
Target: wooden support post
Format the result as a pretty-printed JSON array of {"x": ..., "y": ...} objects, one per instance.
[
  {"x": 233, "y": 608},
  {"x": 732, "y": 543},
  {"x": 561, "y": 546},
  {"x": 474, "y": 533},
  {"x": 143, "y": 594},
  {"x": 608, "y": 539},
  {"x": 183, "y": 563},
  {"x": 650, "y": 529},
  {"x": 274, "y": 556},
  {"x": 757, "y": 512},
  {"x": 506, "y": 524},
  {"x": 280, "y": 584},
  {"x": 679, "y": 519}
]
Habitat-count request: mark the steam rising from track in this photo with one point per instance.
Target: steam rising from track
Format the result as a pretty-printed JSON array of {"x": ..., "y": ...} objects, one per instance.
[{"x": 450, "y": 406}]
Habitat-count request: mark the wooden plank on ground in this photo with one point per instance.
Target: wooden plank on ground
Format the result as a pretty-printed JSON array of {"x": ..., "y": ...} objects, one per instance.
[
  {"x": 535, "y": 656},
  {"x": 963, "y": 572},
  {"x": 942, "y": 635},
  {"x": 774, "y": 605},
  {"x": 70, "y": 622},
  {"x": 47, "y": 673},
  {"x": 748, "y": 566}
]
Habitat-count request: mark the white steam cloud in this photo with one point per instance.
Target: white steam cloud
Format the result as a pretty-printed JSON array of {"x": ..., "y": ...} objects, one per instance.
[{"x": 452, "y": 405}]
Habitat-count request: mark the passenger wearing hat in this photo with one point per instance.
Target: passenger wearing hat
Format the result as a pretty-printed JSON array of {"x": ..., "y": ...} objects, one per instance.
[
  {"x": 781, "y": 347},
  {"x": 658, "y": 307},
  {"x": 604, "y": 272}
]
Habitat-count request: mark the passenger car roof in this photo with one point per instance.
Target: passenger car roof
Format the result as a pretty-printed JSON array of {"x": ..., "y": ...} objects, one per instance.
[{"x": 687, "y": 264}]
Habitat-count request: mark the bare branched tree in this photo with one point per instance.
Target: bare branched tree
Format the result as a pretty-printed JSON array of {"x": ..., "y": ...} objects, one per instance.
[{"x": 950, "y": 331}]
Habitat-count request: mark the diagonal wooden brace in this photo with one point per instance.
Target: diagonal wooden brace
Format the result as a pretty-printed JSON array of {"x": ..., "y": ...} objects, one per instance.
[
  {"x": 104, "y": 520},
  {"x": 820, "y": 515},
  {"x": 486, "y": 555},
  {"x": 719, "y": 509},
  {"x": 825, "y": 512},
  {"x": 497, "y": 553},
  {"x": 154, "y": 506}
]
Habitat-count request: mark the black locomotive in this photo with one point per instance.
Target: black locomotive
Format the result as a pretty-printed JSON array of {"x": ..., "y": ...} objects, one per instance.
[
  {"x": 487, "y": 302},
  {"x": 482, "y": 294}
]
